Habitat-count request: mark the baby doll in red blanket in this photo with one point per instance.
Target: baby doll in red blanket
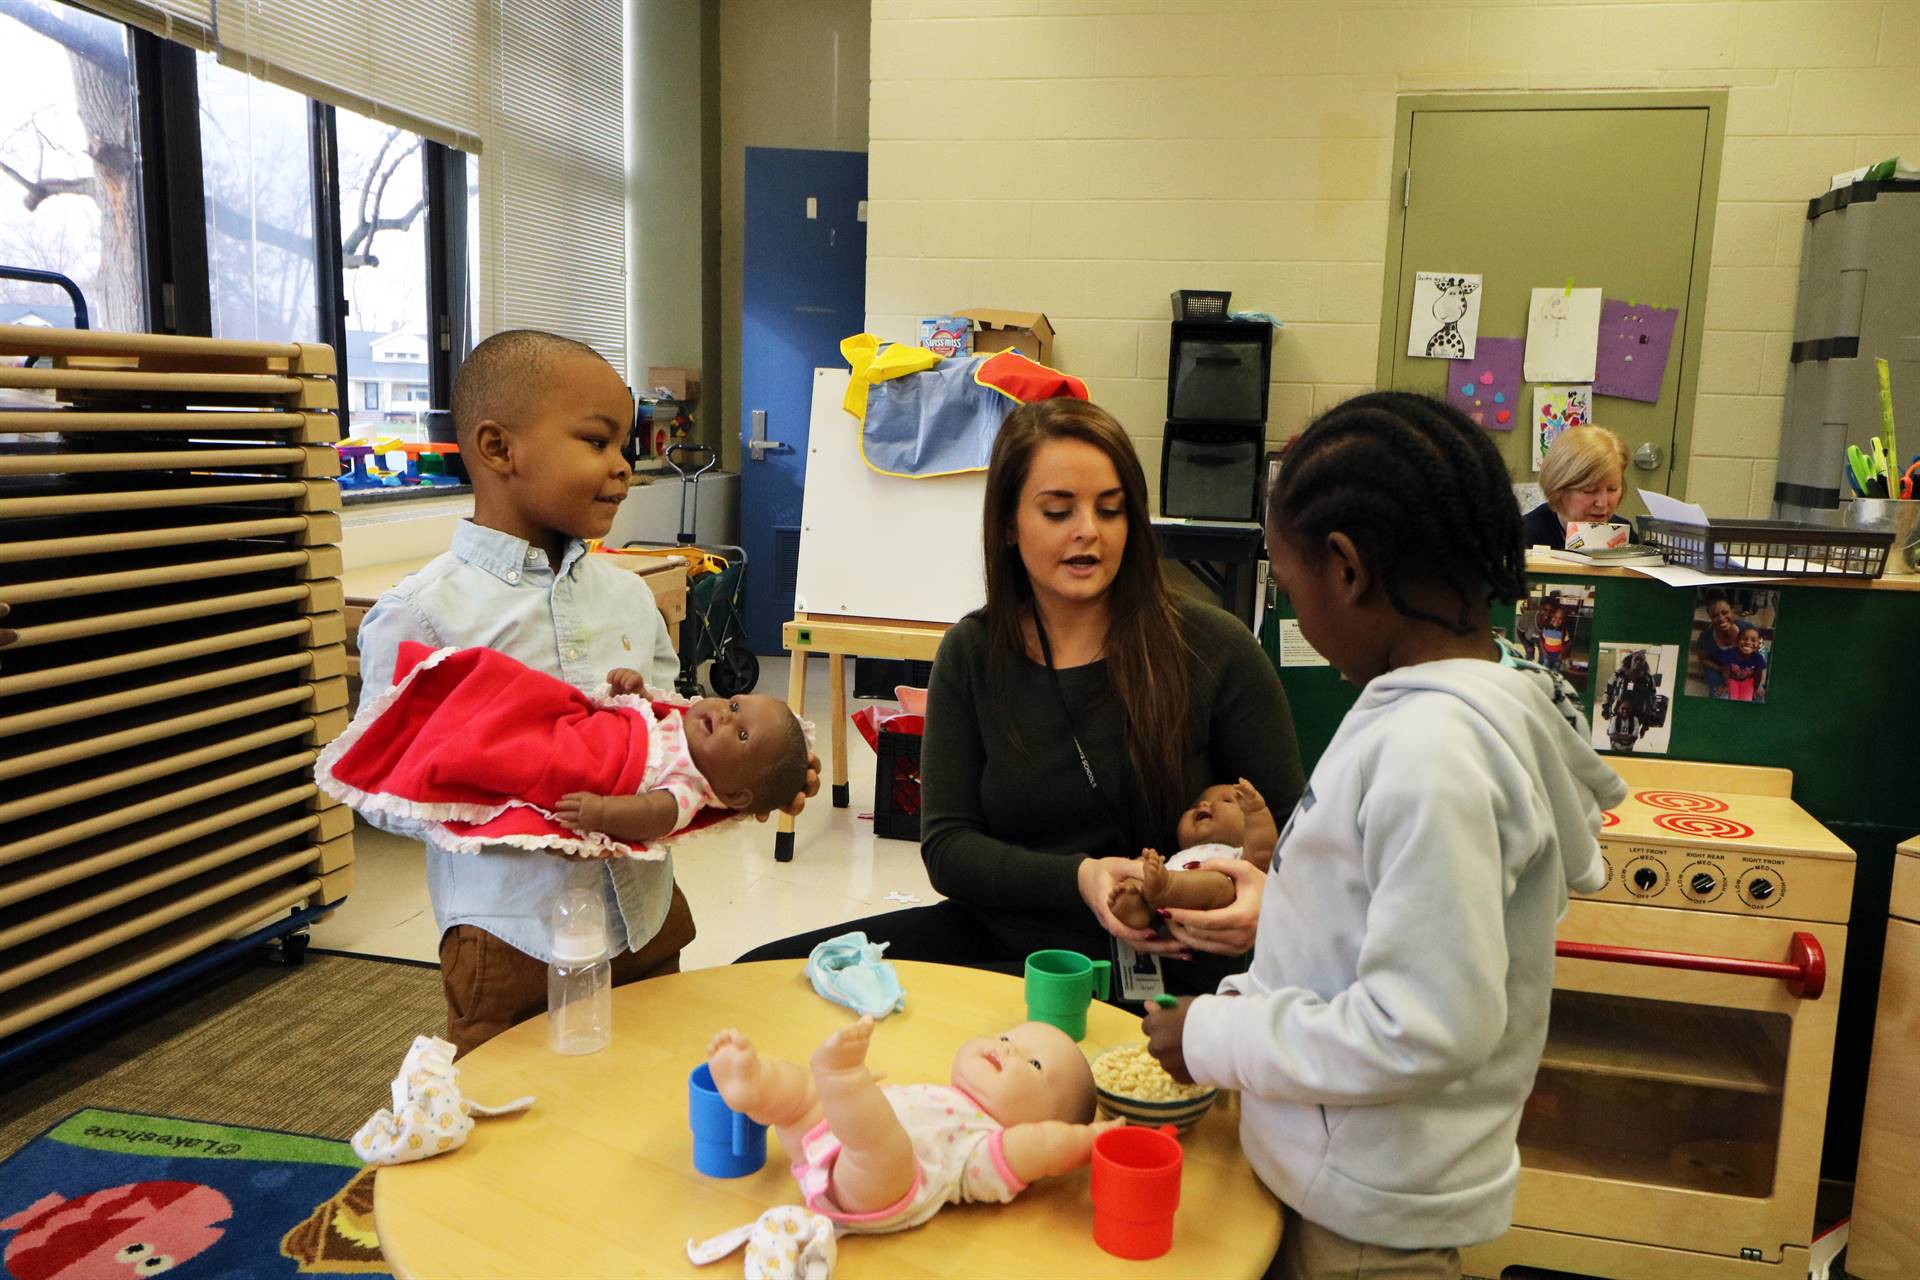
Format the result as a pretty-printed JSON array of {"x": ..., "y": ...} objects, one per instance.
[{"x": 491, "y": 751}]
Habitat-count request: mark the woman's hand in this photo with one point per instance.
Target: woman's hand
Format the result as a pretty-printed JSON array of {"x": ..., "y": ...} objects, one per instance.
[
  {"x": 1227, "y": 930},
  {"x": 1098, "y": 876}
]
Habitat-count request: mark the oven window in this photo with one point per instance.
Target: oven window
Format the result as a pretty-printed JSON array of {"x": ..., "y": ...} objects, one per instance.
[{"x": 1659, "y": 1092}]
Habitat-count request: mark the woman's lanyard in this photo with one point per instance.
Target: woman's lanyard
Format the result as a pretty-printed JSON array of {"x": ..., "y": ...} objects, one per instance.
[{"x": 1073, "y": 735}]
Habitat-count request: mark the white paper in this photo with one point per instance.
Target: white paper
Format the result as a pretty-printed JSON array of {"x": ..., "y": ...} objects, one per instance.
[
  {"x": 1445, "y": 320},
  {"x": 1679, "y": 575},
  {"x": 1661, "y": 507},
  {"x": 1262, "y": 588},
  {"x": 1563, "y": 335},
  {"x": 1294, "y": 649}
]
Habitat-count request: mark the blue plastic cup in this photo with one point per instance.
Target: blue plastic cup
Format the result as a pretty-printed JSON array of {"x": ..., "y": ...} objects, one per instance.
[{"x": 726, "y": 1144}]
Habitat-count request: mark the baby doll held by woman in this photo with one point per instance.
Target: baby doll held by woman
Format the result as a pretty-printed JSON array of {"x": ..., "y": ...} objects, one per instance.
[
  {"x": 492, "y": 751},
  {"x": 1231, "y": 820},
  {"x": 879, "y": 1158}
]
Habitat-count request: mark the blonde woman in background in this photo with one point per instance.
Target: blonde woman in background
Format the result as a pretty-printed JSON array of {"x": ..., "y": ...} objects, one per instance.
[{"x": 1583, "y": 478}]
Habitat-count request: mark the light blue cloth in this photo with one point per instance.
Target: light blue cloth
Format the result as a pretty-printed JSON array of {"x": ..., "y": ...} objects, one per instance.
[
  {"x": 934, "y": 422},
  {"x": 848, "y": 970},
  {"x": 494, "y": 590}
]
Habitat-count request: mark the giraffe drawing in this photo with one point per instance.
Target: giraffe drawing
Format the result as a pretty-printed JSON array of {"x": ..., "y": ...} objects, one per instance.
[{"x": 1448, "y": 308}]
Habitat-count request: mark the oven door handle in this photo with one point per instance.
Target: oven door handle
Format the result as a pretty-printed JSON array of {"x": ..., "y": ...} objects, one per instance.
[{"x": 1804, "y": 969}]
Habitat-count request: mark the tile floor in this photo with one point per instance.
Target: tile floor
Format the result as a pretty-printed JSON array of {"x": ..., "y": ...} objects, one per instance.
[{"x": 740, "y": 896}]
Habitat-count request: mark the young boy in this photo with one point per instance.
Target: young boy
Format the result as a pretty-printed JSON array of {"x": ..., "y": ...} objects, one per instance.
[{"x": 541, "y": 421}]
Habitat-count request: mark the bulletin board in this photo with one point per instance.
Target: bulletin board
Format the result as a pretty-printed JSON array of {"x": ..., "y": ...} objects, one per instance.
[
  {"x": 1602, "y": 197},
  {"x": 874, "y": 546}
]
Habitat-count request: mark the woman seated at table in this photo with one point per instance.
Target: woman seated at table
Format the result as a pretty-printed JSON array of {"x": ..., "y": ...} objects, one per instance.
[
  {"x": 1071, "y": 720},
  {"x": 1582, "y": 479}
]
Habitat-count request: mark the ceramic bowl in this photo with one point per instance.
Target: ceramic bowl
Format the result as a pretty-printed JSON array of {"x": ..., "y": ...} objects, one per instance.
[{"x": 1182, "y": 1113}]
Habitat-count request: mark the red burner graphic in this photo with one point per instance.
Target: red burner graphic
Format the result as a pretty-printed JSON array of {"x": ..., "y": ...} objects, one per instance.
[
  {"x": 1608, "y": 818},
  {"x": 1704, "y": 826},
  {"x": 1680, "y": 801}
]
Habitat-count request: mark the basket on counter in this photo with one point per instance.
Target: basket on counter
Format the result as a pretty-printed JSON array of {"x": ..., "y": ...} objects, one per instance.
[{"x": 1777, "y": 548}]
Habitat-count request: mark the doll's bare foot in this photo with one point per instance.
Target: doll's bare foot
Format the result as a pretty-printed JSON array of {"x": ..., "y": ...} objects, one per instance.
[
  {"x": 845, "y": 1049},
  {"x": 1153, "y": 877},
  {"x": 737, "y": 1070},
  {"x": 1129, "y": 905}
]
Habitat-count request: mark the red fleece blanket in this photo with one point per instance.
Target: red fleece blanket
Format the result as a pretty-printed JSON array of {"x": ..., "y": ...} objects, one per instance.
[{"x": 483, "y": 747}]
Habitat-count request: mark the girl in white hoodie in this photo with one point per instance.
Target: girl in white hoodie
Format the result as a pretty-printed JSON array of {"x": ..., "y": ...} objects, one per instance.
[{"x": 1387, "y": 1034}]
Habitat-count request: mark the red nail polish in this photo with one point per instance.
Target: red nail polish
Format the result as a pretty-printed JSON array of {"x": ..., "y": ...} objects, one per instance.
[{"x": 1163, "y": 913}]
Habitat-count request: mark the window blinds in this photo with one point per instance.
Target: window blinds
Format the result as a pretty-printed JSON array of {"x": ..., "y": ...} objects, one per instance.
[
  {"x": 553, "y": 241},
  {"x": 188, "y": 21},
  {"x": 416, "y": 66}
]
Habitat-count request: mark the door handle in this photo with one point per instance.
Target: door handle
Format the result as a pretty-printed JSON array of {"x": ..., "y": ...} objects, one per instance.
[
  {"x": 1647, "y": 457},
  {"x": 1805, "y": 967},
  {"x": 758, "y": 444}
]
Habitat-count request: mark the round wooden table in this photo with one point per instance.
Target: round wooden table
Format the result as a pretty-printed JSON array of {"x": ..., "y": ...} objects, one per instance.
[{"x": 598, "y": 1179}]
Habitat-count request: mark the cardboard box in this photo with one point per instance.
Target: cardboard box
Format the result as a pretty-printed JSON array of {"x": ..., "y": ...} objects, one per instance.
[
  {"x": 997, "y": 329},
  {"x": 681, "y": 383}
]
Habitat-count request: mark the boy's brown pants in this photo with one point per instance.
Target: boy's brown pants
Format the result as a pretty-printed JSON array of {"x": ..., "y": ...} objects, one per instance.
[
  {"x": 491, "y": 986},
  {"x": 1309, "y": 1252}
]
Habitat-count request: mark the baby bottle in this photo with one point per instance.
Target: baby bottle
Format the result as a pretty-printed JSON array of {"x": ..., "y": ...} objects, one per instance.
[{"x": 580, "y": 979}]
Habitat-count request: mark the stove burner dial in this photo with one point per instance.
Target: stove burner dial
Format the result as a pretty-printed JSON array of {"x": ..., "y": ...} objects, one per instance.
[
  {"x": 1762, "y": 888},
  {"x": 1644, "y": 877},
  {"x": 1703, "y": 882}
]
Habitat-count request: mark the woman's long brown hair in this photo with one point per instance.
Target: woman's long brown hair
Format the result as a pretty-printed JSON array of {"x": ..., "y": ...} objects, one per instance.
[{"x": 1147, "y": 652}]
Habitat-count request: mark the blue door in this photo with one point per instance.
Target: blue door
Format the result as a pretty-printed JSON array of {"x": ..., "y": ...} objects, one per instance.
[{"x": 803, "y": 289}]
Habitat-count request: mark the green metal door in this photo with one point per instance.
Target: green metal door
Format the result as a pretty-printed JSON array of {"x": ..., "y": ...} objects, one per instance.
[{"x": 1531, "y": 196}]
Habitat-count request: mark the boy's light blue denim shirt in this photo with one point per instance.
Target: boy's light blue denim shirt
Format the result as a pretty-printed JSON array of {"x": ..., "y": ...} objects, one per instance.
[{"x": 494, "y": 590}]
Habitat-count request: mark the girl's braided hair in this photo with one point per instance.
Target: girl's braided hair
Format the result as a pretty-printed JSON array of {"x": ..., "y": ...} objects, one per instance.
[{"x": 1418, "y": 488}]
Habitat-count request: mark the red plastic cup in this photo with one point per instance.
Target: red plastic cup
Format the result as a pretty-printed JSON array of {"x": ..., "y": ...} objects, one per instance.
[{"x": 1136, "y": 1189}]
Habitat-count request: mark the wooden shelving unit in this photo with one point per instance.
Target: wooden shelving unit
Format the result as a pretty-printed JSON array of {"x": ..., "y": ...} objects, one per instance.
[{"x": 169, "y": 535}]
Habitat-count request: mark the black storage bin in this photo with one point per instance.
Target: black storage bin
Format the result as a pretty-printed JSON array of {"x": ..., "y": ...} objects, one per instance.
[
  {"x": 879, "y": 677},
  {"x": 896, "y": 787},
  {"x": 1212, "y": 470},
  {"x": 1218, "y": 372}
]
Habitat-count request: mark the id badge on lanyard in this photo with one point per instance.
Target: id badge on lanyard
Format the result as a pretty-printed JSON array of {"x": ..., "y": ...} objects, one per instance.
[{"x": 1140, "y": 976}]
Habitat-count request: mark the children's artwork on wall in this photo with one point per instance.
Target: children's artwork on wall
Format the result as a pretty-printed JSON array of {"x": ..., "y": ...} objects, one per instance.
[
  {"x": 1554, "y": 410},
  {"x": 1554, "y": 626},
  {"x": 1563, "y": 329},
  {"x": 1487, "y": 387},
  {"x": 1634, "y": 709},
  {"x": 1446, "y": 315},
  {"x": 1632, "y": 356},
  {"x": 1731, "y": 653}
]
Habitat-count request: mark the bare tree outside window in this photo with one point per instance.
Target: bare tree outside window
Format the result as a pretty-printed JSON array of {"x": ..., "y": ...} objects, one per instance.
[
  {"x": 69, "y": 161},
  {"x": 257, "y": 168},
  {"x": 383, "y": 253}
]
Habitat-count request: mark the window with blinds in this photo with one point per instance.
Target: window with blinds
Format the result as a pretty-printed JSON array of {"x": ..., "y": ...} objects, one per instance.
[
  {"x": 188, "y": 21},
  {"x": 553, "y": 235}
]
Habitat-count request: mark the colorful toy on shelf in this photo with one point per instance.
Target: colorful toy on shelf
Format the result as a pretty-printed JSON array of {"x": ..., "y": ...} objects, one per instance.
[{"x": 394, "y": 463}]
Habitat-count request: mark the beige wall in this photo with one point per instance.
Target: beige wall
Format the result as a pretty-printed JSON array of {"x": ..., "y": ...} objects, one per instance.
[
  {"x": 1084, "y": 157},
  {"x": 791, "y": 75}
]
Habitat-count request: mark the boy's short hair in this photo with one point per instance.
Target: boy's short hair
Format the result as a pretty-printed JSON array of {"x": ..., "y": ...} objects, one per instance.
[
  {"x": 787, "y": 776},
  {"x": 501, "y": 371}
]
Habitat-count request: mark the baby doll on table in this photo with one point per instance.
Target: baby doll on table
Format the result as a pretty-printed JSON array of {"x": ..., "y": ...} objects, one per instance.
[
  {"x": 1224, "y": 822},
  {"x": 876, "y": 1158},
  {"x": 490, "y": 751}
]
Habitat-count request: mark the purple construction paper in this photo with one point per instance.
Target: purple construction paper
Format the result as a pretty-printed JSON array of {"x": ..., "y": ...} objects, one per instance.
[
  {"x": 1487, "y": 387},
  {"x": 1634, "y": 342}
]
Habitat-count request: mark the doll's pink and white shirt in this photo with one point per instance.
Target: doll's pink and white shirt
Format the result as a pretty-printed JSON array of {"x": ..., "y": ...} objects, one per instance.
[{"x": 957, "y": 1151}]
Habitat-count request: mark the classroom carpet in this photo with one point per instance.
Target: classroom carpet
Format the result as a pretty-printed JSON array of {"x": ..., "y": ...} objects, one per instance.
[
  {"x": 120, "y": 1193},
  {"x": 310, "y": 1049}
]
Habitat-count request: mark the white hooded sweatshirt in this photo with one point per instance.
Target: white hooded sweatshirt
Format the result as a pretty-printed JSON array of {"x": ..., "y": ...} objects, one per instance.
[{"x": 1388, "y": 1032}]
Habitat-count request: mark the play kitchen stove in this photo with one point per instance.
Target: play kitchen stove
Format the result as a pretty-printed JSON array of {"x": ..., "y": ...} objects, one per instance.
[{"x": 1675, "y": 1126}]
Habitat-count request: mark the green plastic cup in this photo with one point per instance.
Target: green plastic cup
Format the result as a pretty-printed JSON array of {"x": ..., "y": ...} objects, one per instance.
[{"x": 1060, "y": 986}]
